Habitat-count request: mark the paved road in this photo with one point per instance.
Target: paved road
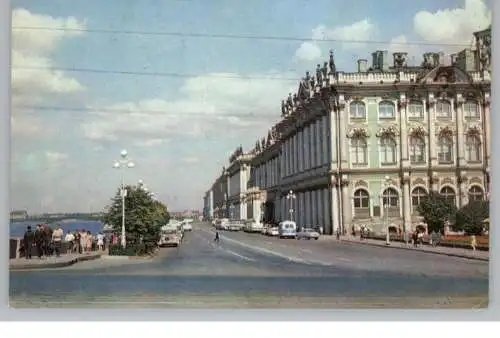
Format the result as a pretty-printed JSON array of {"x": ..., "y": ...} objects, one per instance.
[{"x": 246, "y": 270}]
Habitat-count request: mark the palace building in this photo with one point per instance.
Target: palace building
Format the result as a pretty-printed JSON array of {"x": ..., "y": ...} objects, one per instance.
[{"x": 364, "y": 148}]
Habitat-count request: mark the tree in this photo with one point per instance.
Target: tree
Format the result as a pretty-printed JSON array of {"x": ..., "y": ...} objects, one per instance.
[
  {"x": 144, "y": 216},
  {"x": 436, "y": 211},
  {"x": 470, "y": 218}
]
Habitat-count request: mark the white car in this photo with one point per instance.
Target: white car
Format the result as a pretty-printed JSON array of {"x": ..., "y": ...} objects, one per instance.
[
  {"x": 308, "y": 234},
  {"x": 274, "y": 232}
]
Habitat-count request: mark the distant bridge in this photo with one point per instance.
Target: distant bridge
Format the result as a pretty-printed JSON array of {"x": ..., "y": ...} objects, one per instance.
[{"x": 58, "y": 218}]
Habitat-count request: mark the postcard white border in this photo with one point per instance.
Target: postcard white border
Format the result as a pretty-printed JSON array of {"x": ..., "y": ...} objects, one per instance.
[{"x": 230, "y": 315}]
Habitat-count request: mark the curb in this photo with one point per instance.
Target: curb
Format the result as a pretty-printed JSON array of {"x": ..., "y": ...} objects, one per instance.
[
  {"x": 54, "y": 265},
  {"x": 411, "y": 249}
]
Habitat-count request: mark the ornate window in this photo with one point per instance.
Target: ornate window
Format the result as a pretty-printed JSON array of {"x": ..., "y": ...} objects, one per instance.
[
  {"x": 415, "y": 110},
  {"x": 449, "y": 194},
  {"x": 473, "y": 148},
  {"x": 417, "y": 150},
  {"x": 388, "y": 148},
  {"x": 357, "y": 110},
  {"x": 361, "y": 203},
  {"x": 359, "y": 151},
  {"x": 445, "y": 149},
  {"x": 390, "y": 202},
  {"x": 418, "y": 195},
  {"x": 476, "y": 193},
  {"x": 386, "y": 110},
  {"x": 471, "y": 110},
  {"x": 443, "y": 109}
]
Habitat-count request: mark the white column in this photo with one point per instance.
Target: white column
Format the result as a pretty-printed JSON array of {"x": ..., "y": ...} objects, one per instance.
[
  {"x": 321, "y": 151},
  {"x": 406, "y": 203},
  {"x": 432, "y": 142},
  {"x": 460, "y": 139},
  {"x": 487, "y": 132},
  {"x": 301, "y": 157},
  {"x": 346, "y": 208},
  {"x": 295, "y": 154},
  {"x": 343, "y": 134},
  {"x": 321, "y": 212},
  {"x": 334, "y": 208},
  {"x": 316, "y": 207},
  {"x": 306, "y": 148},
  {"x": 313, "y": 145},
  {"x": 403, "y": 131},
  {"x": 332, "y": 142}
]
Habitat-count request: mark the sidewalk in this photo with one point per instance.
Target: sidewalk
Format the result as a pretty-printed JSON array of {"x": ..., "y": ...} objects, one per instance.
[
  {"x": 51, "y": 262},
  {"x": 453, "y": 252}
]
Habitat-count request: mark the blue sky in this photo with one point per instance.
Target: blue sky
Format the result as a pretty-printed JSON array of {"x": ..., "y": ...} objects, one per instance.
[{"x": 180, "y": 130}]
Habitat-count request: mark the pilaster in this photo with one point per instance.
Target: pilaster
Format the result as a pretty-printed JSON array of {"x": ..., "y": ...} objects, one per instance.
[
  {"x": 402, "y": 104},
  {"x": 460, "y": 140},
  {"x": 346, "y": 204},
  {"x": 405, "y": 180},
  {"x": 431, "y": 115}
]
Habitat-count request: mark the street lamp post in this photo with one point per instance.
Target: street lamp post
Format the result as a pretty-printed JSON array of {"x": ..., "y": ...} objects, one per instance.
[
  {"x": 291, "y": 197},
  {"x": 386, "y": 200},
  {"x": 123, "y": 162}
]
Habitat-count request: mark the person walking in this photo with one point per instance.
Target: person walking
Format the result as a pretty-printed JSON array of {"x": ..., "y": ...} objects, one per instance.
[
  {"x": 100, "y": 241},
  {"x": 29, "y": 238}
]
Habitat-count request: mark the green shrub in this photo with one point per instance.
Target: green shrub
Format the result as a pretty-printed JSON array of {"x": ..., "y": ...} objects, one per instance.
[{"x": 129, "y": 250}]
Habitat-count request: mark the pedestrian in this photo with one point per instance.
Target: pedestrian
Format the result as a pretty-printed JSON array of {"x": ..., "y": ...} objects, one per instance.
[
  {"x": 69, "y": 241},
  {"x": 90, "y": 241},
  {"x": 29, "y": 238},
  {"x": 39, "y": 238},
  {"x": 473, "y": 242},
  {"x": 100, "y": 241},
  {"x": 57, "y": 236},
  {"x": 83, "y": 241},
  {"x": 47, "y": 240}
]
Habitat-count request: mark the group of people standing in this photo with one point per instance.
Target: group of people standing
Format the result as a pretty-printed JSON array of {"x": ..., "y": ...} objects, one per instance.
[{"x": 47, "y": 241}]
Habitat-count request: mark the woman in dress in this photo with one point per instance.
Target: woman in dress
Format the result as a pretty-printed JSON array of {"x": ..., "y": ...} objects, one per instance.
[{"x": 89, "y": 241}]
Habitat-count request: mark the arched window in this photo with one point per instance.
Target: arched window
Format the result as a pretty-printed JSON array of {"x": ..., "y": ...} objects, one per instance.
[
  {"x": 361, "y": 203},
  {"x": 417, "y": 150},
  {"x": 445, "y": 149},
  {"x": 476, "y": 193},
  {"x": 443, "y": 109},
  {"x": 357, "y": 110},
  {"x": 388, "y": 153},
  {"x": 386, "y": 110},
  {"x": 473, "y": 148},
  {"x": 449, "y": 194},
  {"x": 418, "y": 195},
  {"x": 415, "y": 110},
  {"x": 471, "y": 110},
  {"x": 359, "y": 151},
  {"x": 390, "y": 202}
]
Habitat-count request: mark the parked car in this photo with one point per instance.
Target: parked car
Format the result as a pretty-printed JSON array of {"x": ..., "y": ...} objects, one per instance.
[
  {"x": 308, "y": 233},
  {"x": 253, "y": 226},
  {"x": 274, "y": 232},
  {"x": 235, "y": 226}
]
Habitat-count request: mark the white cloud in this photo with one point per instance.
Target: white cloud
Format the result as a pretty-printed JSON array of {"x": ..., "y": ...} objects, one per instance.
[
  {"x": 213, "y": 104},
  {"x": 34, "y": 48},
  {"x": 447, "y": 26},
  {"x": 454, "y": 25},
  {"x": 25, "y": 126},
  {"x": 352, "y": 36},
  {"x": 308, "y": 51}
]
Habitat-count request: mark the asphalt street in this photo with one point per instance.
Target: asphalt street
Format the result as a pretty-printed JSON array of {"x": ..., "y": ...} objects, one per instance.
[{"x": 251, "y": 270}]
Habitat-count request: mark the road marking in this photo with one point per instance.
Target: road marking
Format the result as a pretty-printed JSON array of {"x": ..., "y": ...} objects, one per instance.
[
  {"x": 306, "y": 250},
  {"x": 226, "y": 250},
  {"x": 274, "y": 253},
  {"x": 238, "y": 255}
]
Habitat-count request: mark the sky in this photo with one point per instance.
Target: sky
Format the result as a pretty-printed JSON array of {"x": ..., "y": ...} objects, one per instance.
[{"x": 91, "y": 77}]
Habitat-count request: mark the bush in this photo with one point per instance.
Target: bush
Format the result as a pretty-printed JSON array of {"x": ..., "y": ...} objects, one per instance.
[{"x": 129, "y": 250}]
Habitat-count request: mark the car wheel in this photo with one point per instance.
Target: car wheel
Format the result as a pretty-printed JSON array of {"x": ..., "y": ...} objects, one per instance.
[{"x": 316, "y": 238}]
